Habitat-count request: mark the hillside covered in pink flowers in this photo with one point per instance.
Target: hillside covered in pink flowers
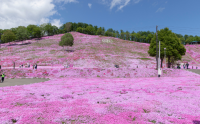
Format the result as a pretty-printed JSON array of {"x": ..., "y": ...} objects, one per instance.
[{"x": 92, "y": 90}]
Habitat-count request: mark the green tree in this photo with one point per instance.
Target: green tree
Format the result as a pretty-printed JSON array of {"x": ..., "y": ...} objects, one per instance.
[
  {"x": 189, "y": 39},
  {"x": 68, "y": 27},
  {"x": 95, "y": 29},
  {"x": 42, "y": 28},
  {"x": 186, "y": 36},
  {"x": 66, "y": 40},
  {"x": 8, "y": 36},
  {"x": 79, "y": 29},
  {"x": 37, "y": 32},
  {"x": 22, "y": 33},
  {"x": 60, "y": 31},
  {"x": 55, "y": 30},
  {"x": 197, "y": 38},
  {"x": 1, "y": 33},
  {"x": 74, "y": 26},
  {"x": 84, "y": 31},
  {"x": 49, "y": 29},
  {"x": 114, "y": 34},
  {"x": 122, "y": 34},
  {"x": 117, "y": 34},
  {"x": 149, "y": 37},
  {"x": 90, "y": 30},
  {"x": 14, "y": 30},
  {"x": 169, "y": 40},
  {"x": 138, "y": 37},
  {"x": 110, "y": 30},
  {"x": 143, "y": 37},
  {"x": 80, "y": 24},
  {"x": 103, "y": 29},
  {"x": 30, "y": 29},
  {"x": 99, "y": 31},
  {"x": 85, "y": 25},
  {"x": 127, "y": 35},
  {"x": 106, "y": 33}
]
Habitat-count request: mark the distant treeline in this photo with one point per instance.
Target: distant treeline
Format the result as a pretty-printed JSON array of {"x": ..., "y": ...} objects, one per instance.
[{"x": 33, "y": 31}]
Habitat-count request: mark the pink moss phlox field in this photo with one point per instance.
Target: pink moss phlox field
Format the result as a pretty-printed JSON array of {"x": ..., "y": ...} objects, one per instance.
[
  {"x": 94, "y": 100},
  {"x": 91, "y": 90}
]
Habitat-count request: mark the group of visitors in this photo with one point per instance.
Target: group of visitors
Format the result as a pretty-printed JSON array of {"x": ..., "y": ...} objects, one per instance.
[
  {"x": 35, "y": 66},
  {"x": 21, "y": 66},
  {"x": 28, "y": 66},
  {"x": 185, "y": 65},
  {"x": 66, "y": 66}
]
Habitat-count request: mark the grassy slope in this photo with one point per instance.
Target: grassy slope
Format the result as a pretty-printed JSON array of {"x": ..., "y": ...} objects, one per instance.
[{"x": 89, "y": 51}]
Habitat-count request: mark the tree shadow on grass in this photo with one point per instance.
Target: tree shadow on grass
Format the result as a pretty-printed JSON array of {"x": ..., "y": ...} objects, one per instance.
[
  {"x": 70, "y": 50},
  {"x": 196, "y": 122},
  {"x": 12, "y": 44},
  {"x": 25, "y": 44}
]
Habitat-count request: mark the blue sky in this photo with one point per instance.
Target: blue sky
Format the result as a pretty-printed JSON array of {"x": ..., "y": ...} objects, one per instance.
[{"x": 180, "y": 16}]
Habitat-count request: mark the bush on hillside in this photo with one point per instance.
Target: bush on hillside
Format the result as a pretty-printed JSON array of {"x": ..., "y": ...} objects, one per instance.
[
  {"x": 79, "y": 29},
  {"x": 66, "y": 40}
]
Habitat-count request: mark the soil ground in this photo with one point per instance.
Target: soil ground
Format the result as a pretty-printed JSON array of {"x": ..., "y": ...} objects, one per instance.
[
  {"x": 13, "y": 82},
  {"x": 197, "y": 71}
]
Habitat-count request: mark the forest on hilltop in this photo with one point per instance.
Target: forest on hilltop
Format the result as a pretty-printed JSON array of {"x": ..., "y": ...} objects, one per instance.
[{"x": 33, "y": 31}]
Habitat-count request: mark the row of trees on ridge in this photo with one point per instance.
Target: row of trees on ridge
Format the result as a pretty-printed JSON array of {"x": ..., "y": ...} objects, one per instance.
[{"x": 33, "y": 31}]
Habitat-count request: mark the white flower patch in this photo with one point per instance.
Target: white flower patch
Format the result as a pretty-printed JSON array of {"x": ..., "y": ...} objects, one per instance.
[{"x": 107, "y": 41}]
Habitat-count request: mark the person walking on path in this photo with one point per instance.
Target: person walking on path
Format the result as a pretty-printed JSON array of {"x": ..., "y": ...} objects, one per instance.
[
  {"x": 187, "y": 65},
  {"x": 2, "y": 77},
  {"x": 36, "y": 66},
  {"x": 184, "y": 65},
  {"x": 14, "y": 65}
]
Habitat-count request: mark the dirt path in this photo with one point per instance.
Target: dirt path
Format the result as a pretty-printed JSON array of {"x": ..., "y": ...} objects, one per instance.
[
  {"x": 13, "y": 82},
  {"x": 197, "y": 71}
]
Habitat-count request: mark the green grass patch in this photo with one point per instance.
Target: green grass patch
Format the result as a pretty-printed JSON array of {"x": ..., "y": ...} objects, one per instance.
[
  {"x": 29, "y": 59},
  {"x": 153, "y": 121},
  {"x": 144, "y": 58},
  {"x": 146, "y": 111},
  {"x": 60, "y": 56},
  {"x": 2, "y": 49}
]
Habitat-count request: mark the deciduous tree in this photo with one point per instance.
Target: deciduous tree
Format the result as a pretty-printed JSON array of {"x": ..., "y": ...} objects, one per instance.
[
  {"x": 79, "y": 29},
  {"x": 169, "y": 40},
  {"x": 8, "y": 36},
  {"x": 66, "y": 40},
  {"x": 30, "y": 29},
  {"x": 99, "y": 31},
  {"x": 37, "y": 32},
  {"x": 49, "y": 29},
  {"x": 22, "y": 33},
  {"x": 90, "y": 30},
  {"x": 68, "y": 26}
]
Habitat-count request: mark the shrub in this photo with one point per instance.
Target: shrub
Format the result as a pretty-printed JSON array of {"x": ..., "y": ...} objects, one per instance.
[{"x": 66, "y": 40}]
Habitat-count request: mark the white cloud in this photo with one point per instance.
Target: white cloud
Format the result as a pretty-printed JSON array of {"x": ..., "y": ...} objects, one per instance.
[
  {"x": 56, "y": 22},
  {"x": 90, "y": 5},
  {"x": 14, "y": 13},
  {"x": 160, "y": 9},
  {"x": 44, "y": 20},
  {"x": 122, "y": 6},
  {"x": 121, "y": 3}
]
